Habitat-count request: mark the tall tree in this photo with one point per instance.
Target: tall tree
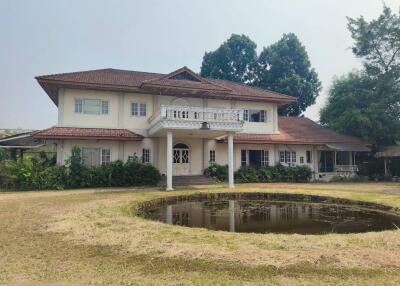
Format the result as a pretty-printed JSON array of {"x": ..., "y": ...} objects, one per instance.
[
  {"x": 377, "y": 42},
  {"x": 232, "y": 61},
  {"x": 285, "y": 67},
  {"x": 282, "y": 67},
  {"x": 367, "y": 104},
  {"x": 356, "y": 107}
]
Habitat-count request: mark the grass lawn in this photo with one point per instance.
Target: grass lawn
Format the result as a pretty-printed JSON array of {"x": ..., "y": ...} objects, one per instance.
[{"x": 88, "y": 237}]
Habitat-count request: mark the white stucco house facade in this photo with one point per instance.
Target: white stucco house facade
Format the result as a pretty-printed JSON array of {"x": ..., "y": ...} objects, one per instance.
[{"x": 181, "y": 123}]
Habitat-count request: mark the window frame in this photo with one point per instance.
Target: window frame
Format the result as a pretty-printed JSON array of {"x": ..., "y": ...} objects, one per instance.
[
  {"x": 146, "y": 156},
  {"x": 287, "y": 157},
  {"x": 247, "y": 115},
  {"x": 293, "y": 157},
  {"x": 81, "y": 106},
  {"x": 308, "y": 156},
  {"x": 105, "y": 103},
  {"x": 211, "y": 158},
  {"x": 282, "y": 157},
  {"x": 140, "y": 112},
  {"x": 103, "y": 156},
  {"x": 264, "y": 158},
  {"x": 97, "y": 150},
  {"x": 243, "y": 157}
]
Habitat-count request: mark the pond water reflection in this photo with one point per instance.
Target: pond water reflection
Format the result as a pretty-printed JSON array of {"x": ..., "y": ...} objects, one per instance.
[{"x": 272, "y": 216}]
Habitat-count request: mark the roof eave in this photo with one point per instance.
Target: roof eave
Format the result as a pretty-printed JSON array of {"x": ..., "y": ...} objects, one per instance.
[{"x": 58, "y": 137}]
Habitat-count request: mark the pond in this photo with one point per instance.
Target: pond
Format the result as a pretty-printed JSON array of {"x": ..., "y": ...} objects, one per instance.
[{"x": 272, "y": 213}]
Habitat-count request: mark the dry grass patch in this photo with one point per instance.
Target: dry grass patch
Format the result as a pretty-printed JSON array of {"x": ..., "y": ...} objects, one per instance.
[{"x": 90, "y": 236}]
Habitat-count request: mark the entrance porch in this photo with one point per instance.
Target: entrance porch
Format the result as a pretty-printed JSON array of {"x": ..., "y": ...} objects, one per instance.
[
  {"x": 336, "y": 163},
  {"x": 185, "y": 129},
  {"x": 187, "y": 156}
]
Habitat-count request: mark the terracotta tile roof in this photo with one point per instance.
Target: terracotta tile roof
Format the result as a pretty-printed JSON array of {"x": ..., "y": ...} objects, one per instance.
[
  {"x": 168, "y": 84},
  {"x": 301, "y": 130},
  {"x": 87, "y": 133}
]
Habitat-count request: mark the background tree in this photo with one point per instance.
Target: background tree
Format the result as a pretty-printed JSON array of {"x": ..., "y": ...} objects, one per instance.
[
  {"x": 233, "y": 60},
  {"x": 285, "y": 67},
  {"x": 282, "y": 67},
  {"x": 377, "y": 42},
  {"x": 367, "y": 104},
  {"x": 356, "y": 108}
]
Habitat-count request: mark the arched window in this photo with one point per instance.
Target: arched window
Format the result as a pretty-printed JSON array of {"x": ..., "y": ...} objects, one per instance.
[{"x": 181, "y": 146}]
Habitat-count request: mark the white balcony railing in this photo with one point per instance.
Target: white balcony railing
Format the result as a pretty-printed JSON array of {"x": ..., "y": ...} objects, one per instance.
[
  {"x": 187, "y": 117},
  {"x": 346, "y": 168}
]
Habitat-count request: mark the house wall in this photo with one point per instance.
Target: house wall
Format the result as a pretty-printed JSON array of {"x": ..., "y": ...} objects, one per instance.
[
  {"x": 120, "y": 110},
  {"x": 199, "y": 151},
  {"x": 120, "y": 150},
  {"x": 70, "y": 118}
]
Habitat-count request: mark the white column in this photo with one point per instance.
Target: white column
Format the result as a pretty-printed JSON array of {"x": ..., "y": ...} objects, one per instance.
[
  {"x": 230, "y": 161},
  {"x": 169, "y": 161}
]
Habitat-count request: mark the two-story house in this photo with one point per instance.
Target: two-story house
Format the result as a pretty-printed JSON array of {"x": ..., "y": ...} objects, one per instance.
[{"x": 181, "y": 123}]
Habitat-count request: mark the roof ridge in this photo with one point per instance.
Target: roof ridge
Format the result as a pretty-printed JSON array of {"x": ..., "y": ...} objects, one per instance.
[
  {"x": 255, "y": 87},
  {"x": 183, "y": 69},
  {"x": 97, "y": 70}
]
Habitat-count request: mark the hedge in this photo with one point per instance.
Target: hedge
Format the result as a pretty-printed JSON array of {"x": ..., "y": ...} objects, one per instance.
[
  {"x": 278, "y": 173},
  {"x": 43, "y": 174}
]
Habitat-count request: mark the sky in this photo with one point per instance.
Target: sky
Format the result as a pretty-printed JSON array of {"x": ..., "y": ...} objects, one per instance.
[{"x": 41, "y": 37}]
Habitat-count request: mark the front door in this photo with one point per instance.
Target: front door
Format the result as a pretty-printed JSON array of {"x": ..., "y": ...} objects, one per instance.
[{"x": 181, "y": 159}]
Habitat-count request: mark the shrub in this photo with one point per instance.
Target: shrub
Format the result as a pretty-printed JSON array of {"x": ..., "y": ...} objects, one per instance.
[
  {"x": 277, "y": 173},
  {"x": 217, "y": 172},
  {"x": 248, "y": 175},
  {"x": 41, "y": 173}
]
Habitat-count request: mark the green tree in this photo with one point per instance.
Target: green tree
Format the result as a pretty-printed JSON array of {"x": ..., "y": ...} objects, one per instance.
[
  {"x": 367, "y": 103},
  {"x": 282, "y": 67},
  {"x": 356, "y": 108},
  {"x": 285, "y": 67},
  {"x": 233, "y": 60},
  {"x": 377, "y": 42}
]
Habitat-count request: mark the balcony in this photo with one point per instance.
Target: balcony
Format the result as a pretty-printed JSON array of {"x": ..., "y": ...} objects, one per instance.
[{"x": 211, "y": 122}]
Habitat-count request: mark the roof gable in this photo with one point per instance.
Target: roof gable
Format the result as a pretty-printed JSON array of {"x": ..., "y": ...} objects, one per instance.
[{"x": 184, "y": 74}]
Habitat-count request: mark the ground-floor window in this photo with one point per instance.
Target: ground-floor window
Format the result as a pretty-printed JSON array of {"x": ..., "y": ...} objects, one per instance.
[
  {"x": 92, "y": 156},
  {"x": 146, "y": 156},
  {"x": 254, "y": 158},
  {"x": 212, "y": 156},
  {"x": 287, "y": 157},
  {"x": 343, "y": 158},
  {"x": 105, "y": 156},
  {"x": 308, "y": 157}
]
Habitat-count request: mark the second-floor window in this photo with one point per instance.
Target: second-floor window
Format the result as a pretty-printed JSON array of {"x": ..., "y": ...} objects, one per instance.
[
  {"x": 255, "y": 115},
  {"x": 91, "y": 106},
  {"x": 138, "y": 109}
]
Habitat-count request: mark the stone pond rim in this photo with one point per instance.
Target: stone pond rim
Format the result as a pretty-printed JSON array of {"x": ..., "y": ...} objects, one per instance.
[{"x": 281, "y": 197}]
